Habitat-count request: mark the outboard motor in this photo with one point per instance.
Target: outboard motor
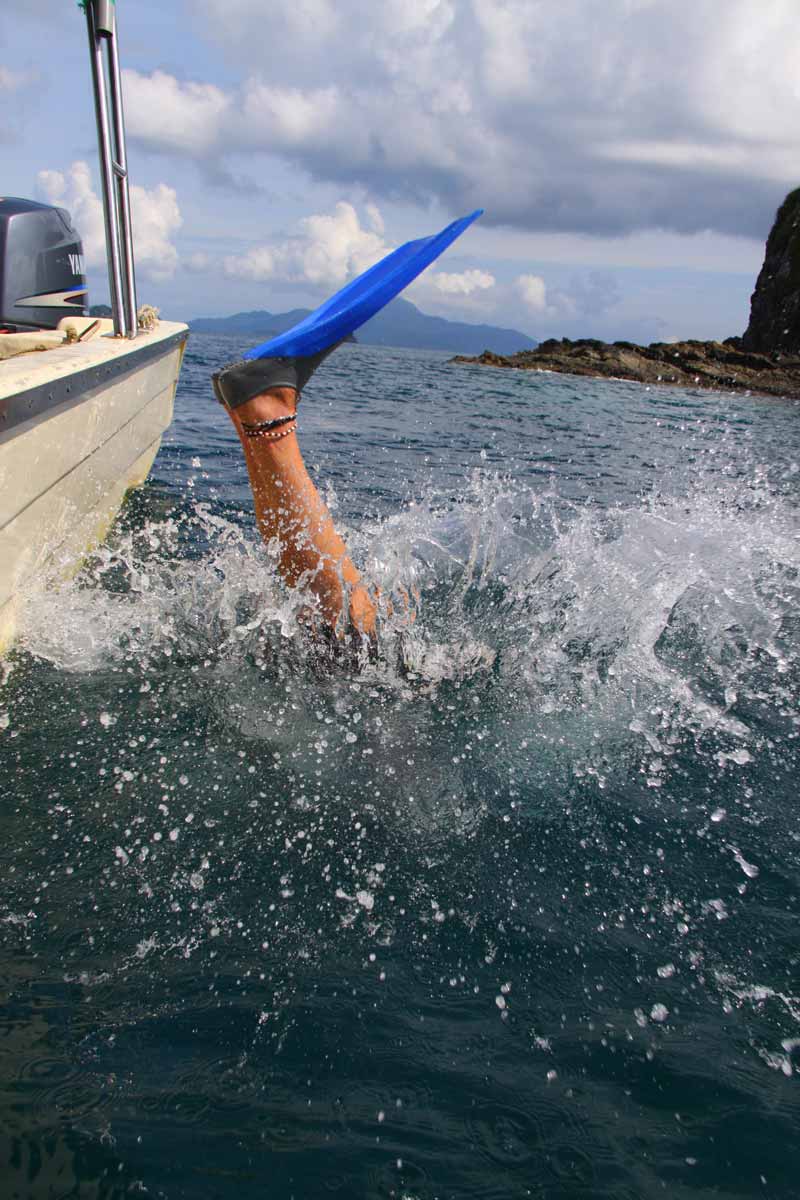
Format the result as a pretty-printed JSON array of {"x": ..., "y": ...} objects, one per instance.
[{"x": 41, "y": 266}]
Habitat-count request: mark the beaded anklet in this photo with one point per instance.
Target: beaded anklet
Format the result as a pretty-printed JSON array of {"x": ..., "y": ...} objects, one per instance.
[
  {"x": 265, "y": 426},
  {"x": 266, "y": 435}
]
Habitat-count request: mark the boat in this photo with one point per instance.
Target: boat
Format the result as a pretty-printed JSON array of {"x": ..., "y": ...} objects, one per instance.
[{"x": 84, "y": 401}]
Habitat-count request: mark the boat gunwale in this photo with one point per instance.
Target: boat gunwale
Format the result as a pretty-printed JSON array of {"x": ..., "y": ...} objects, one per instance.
[{"x": 73, "y": 388}]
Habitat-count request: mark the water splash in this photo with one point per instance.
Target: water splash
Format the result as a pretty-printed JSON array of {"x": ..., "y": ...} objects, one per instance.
[{"x": 614, "y": 618}]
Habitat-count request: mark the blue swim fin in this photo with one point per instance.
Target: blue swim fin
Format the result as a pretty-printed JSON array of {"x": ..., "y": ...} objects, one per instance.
[{"x": 301, "y": 349}]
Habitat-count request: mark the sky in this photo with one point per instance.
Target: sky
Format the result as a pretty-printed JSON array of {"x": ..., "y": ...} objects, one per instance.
[{"x": 629, "y": 154}]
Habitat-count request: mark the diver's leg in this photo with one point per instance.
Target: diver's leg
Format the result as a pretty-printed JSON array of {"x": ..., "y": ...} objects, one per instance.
[{"x": 290, "y": 510}]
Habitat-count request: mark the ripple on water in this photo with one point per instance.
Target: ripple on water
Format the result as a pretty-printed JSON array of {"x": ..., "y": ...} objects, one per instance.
[
  {"x": 59, "y": 1092},
  {"x": 506, "y": 1135},
  {"x": 573, "y": 1166}
]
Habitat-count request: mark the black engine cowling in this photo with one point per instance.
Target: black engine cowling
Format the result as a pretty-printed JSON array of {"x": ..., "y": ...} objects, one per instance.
[{"x": 41, "y": 266}]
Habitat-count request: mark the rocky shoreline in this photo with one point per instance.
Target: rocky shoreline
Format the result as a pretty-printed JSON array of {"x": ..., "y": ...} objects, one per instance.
[
  {"x": 721, "y": 365},
  {"x": 765, "y": 359}
]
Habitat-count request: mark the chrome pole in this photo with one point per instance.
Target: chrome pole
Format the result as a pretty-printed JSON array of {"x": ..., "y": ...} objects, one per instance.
[
  {"x": 106, "y": 174},
  {"x": 100, "y": 20},
  {"x": 120, "y": 167}
]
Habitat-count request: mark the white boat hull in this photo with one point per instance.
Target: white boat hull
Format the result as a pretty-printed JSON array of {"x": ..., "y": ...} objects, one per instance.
[{"x": 97, "y": 414}]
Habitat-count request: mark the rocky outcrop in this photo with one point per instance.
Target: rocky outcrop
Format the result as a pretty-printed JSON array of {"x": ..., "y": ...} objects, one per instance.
[
  {"x": 775, "y": 304},
  {"x": 682, "y": 364},
  {"x": 765, "y": 359}
]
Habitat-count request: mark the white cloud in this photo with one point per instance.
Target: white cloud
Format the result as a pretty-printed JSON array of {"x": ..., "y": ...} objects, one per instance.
[
  {"x": 74, "y": 192},
  {"x": 463, "y": 284},
  {"x": 242, "y": 26},
  {"x": 329, "y": 249},
  {"x": 337, "y": 246},
  {"x": 276, "y": 118},
  {"x": 427, "y": 18},
  {"x": 473, "y": 292},
  {"x": 588, "y": 296},
  {"x": 155, "y": 217},
  {"x": 533, "y": 292},
  {"x": 188, "y": 118},
  {"x": 728, "y": 158},
  {"x": 375, "y": 219},
  {"x": 648, "y": 116},
  {"x": 257, "y": 264}
]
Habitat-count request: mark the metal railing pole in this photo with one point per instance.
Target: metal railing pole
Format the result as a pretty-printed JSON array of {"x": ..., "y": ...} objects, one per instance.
[
  {"x": 107, "y": 176},
  {"x": 101, "y": 25},
  {"x": 120, "y": 167}
]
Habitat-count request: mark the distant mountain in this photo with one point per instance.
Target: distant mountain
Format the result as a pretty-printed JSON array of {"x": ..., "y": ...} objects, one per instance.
[
  {"x": 399, "y": 324},
  {"x": 402, "y": 324},
  {"x": 259, "y": 323}
]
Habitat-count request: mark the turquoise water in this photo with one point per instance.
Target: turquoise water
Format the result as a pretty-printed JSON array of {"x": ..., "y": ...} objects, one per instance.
[{"x": 512, "y": 912}]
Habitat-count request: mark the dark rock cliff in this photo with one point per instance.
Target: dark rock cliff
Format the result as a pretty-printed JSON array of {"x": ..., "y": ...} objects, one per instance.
[{"x": 775, "y": 303}]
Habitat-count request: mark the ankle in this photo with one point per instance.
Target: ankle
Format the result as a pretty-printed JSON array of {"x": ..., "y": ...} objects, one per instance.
[{"x": 268, "y": 406}]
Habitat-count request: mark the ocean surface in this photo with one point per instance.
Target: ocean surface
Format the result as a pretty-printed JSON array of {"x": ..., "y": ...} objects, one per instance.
[{"x": 512, "y": 912}]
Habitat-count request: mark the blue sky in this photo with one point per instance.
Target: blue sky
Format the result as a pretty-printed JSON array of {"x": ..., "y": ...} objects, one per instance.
[{"x": 630, "y": 154}]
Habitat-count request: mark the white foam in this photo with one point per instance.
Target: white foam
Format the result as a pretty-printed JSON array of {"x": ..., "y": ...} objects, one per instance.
[{"x": 640, "y": 623}]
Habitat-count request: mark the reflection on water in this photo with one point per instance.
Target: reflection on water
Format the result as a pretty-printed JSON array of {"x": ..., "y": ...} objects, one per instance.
[{"x": 510, "y": 912}]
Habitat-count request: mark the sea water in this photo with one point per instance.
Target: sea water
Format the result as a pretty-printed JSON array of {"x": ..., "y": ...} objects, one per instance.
[{"x": 510, "y": 912}]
